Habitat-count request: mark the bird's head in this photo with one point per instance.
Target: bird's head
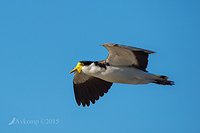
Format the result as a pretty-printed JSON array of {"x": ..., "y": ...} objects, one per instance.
[{"x": 80, "y": 65}]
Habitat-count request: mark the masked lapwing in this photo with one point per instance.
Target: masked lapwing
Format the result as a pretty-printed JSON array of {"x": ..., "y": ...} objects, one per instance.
[{"x": 124, "y": 64}]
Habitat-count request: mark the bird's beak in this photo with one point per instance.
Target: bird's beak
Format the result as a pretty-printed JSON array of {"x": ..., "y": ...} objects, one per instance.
[
  {"x": 77, "y": 68},
  {"x": 73, "y": 70}
]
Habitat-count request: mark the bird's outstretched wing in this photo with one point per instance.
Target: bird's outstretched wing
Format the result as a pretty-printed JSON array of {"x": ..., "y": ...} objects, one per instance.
[
  {"x": 88, "y": 88},
  {"x": 121, "y": 55}
]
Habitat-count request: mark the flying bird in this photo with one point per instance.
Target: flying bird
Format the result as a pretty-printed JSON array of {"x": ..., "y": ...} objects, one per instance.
[{"x": 124, "y": 64}]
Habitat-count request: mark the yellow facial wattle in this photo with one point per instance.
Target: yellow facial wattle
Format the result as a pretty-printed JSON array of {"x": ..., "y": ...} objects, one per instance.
[{"x": 77, "y": 68}]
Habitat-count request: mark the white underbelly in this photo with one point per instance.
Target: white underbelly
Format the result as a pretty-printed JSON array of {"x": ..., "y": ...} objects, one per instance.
[{"x": 127, "y": 75}]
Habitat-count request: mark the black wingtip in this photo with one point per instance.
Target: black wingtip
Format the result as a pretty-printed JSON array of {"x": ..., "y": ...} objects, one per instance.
[{"x": 164, "y": 82}]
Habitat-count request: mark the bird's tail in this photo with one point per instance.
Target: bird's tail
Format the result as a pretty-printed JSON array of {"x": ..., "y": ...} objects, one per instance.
[{"x": 162, "y": 80}]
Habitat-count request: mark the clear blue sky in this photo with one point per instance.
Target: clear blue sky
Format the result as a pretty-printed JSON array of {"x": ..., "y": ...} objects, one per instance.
[{"x": 41, "y": 41}]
